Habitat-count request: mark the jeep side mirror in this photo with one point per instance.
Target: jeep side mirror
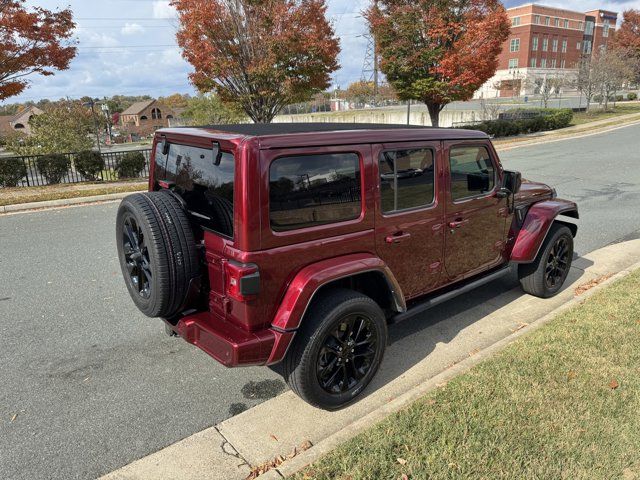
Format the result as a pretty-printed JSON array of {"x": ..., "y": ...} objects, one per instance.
[{"x": 512, "y": 181}]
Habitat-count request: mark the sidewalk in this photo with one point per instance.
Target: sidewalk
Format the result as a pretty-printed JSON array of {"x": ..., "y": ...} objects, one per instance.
[{"x": 424, "y": 353}]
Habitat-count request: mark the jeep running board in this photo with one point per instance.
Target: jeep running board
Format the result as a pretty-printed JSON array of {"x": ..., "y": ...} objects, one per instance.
[{"x": 425, "y": 305}]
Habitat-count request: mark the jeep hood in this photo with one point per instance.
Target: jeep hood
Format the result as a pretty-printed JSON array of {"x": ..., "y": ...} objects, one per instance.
[{"x": 532, "y": 192}]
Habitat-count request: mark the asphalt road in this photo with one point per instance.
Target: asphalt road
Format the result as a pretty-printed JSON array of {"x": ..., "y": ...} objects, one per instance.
[{"x": 87, "y": 384}]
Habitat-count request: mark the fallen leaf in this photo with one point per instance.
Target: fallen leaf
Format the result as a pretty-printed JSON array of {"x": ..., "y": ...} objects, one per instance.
[
  {"x": 590, "y": 284},
  {"x": 274, "y": 437},
  {"x": 613, "y": 384},
  {"x": 520, "y": 327},
  {"x": 402, "y": 461}
]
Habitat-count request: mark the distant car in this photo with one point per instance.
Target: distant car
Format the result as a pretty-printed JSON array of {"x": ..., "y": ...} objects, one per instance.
[{"x": 295, "y": 245}]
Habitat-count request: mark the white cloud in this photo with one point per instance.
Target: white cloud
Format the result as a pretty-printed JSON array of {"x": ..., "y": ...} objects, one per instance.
[
  {"x": 132, "y": 29},
  {"x": 162, "y": 9}
]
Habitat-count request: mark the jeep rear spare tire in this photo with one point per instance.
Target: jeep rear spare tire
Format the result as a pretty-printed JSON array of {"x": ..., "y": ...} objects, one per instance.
[{"x": 157, "y": 252}]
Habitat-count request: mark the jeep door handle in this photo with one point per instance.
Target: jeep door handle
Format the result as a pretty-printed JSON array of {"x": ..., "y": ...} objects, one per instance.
[
  {"x": 458, "y": 223},
  {"x": 397, "y": 238}
]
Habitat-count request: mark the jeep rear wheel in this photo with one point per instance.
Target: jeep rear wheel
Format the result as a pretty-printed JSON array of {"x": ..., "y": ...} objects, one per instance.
[
  {"x": 544, "y": 277},
  {"x": 337, "y": 350},
  {"x": 157, "y": 252}
]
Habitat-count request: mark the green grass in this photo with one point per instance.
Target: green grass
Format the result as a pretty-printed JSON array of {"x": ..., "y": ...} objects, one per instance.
[
  {"x": 546, "y": 407},
  {"x": 595, "y": 114},
  {"x": 12, "y": 196}
]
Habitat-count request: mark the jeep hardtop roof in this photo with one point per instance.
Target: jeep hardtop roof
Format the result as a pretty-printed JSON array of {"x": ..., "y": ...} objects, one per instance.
[{"x": 282, "y": 135}]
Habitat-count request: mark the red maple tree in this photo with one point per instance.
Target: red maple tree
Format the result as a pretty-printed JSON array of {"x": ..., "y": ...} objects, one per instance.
[
  {"x": 438, "y": 51},
  {"x": 260, "y": 55},
  {"x": 32, "y": 41},
  {"x": 628, "y": 35}
]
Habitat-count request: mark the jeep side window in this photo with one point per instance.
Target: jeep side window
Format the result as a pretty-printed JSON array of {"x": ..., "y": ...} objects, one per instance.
[
  {"x": 310, "y": 190},
  {"x": 472, "y": 172},
  {"x": 406, "y": 179},
  {"x": 205, "y": 187}
]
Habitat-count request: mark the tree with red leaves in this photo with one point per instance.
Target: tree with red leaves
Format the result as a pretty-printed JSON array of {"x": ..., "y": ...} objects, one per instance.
[
  {"x": 438, "y": 51},
  {"x": 32, "y": 41},
  {"x": 258, "y": 54},
  {"x": 628, "y": 35}
]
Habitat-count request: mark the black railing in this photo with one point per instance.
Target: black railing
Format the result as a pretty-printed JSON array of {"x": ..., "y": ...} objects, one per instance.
[{"x": 34, "y": 178}]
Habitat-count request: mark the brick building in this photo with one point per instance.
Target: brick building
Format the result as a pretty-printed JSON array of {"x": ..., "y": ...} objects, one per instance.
[
  {"x": 146, "y": 117},
  {"x": 546, "y": 42},
  {"x": 18, "y": 122}
]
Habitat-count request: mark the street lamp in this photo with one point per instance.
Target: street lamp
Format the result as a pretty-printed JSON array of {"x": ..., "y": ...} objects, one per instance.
[
  {"x": 92, "y": 104},
  {"x": 105, "y": 110}
]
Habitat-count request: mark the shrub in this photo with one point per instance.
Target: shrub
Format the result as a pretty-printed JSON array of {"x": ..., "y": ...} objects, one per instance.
[
  {"x": 619, "y": 98},
  {"x": 53, "y": 167},
  {"x": 12, "y": 171},
  {"x": 544, "y": 119},
  {"x": 598, "y": 98},
  {"x": 130, "y": 165},
  {"x": 632, "y": 96},
  {"x": 89, "y": 164}
]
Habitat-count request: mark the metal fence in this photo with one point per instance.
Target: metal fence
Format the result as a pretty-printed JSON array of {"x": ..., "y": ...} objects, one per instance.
[{"x": 34, "y": 178}]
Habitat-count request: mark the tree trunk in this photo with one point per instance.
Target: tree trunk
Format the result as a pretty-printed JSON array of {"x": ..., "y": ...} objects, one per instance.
[{"x": 434, "y": 113}]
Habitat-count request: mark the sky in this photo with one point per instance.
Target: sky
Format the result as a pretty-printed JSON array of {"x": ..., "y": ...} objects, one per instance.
[{"x": 128, "y": 47}]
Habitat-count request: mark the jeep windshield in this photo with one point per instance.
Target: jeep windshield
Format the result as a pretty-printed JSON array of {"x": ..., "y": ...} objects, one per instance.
[{"x": 204, "y": 180}]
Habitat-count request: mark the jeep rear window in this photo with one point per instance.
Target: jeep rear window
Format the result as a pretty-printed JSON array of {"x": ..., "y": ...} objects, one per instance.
[
  {"x": 206, "y": 188},
  {"x": 311, "y": 190}
]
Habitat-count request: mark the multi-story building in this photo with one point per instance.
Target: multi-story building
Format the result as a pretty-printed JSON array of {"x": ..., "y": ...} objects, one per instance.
[{"x": 546, "y": 42}]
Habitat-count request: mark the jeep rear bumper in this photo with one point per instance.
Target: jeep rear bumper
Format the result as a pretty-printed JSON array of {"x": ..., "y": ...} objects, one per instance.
[{"x": 230, "y": 345}]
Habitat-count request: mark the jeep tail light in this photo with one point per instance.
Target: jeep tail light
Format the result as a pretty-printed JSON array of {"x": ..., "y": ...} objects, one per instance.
[{"x": 242, "y": 281}]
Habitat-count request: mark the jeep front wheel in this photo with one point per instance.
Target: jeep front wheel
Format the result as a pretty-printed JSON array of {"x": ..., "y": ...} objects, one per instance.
[
  {"x": 544, "y": 277},
  {"x": 337, "y": 350}
]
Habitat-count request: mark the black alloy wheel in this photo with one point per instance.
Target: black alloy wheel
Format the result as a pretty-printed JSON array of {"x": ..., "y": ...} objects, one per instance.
[
  {"x": 136, "y": 256},
  {"x": 557, "y": 263},
  {"x": 347, "y": 354}
]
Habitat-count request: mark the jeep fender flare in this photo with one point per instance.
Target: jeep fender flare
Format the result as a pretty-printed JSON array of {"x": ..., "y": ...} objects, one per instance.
[
  {"x": 309, "y": 280},
  {"x": 536, "y": 226}
]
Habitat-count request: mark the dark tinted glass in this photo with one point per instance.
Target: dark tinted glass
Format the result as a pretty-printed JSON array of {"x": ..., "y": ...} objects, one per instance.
[
  {"x": 472, "y": 172},
  {"x": 406, "y": 179},
  {"x": 314, "y": 190},
  {"x": 207, "y": 188}
]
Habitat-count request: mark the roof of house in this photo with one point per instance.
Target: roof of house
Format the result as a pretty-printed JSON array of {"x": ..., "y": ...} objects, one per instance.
[{"x": 137, "y": 107}]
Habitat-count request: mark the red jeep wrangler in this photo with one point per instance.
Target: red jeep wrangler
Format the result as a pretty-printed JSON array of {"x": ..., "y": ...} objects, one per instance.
[{"x": 297, "y": 244}]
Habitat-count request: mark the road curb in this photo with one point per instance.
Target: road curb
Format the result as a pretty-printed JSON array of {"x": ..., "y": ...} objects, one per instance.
[
  {"x": 65, "y": 202},
  {"x": 325, "y": 446}
]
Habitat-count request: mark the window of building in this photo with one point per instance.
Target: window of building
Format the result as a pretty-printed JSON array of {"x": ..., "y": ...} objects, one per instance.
[
  {"x": 534, "y": 43},
  {"x": 590, "y": 25},
  {"x": 515, "y": 21},
  {"x": 553, "y": 63},
  {"x": 534, "y": 62},
  {"x": 310, "y": 190},
  {"x": 562, "y": 64},
  {"x": 536, "y": 19},
  {"x": 580, "y": 25},
  {"x": 156, "y": 114},
  {"x": 144, "y": 117},
  {"x": 545, "y": 44},
  {"x": 566, "y": 23},
  {"x": 578, "y": 45},
  {"x": 605, "y": 28},
  {"x": 564, "y": 45},
  {"x": 515, "y": 44},
  {"x": 18, "y": 126},
  {"x": 556, "y": 22},
  {"x": 543, "y": 63},
  {"x": 407, "y": 179},
  {"x": 206, "y": 188},
  {"x": 547, "y": 21},
  {"x": 587, "y": 46},
  {"x": 472, "y": 172},
  {"x": 513, "y": 63},
  {"x": 554, "y": 45}
]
